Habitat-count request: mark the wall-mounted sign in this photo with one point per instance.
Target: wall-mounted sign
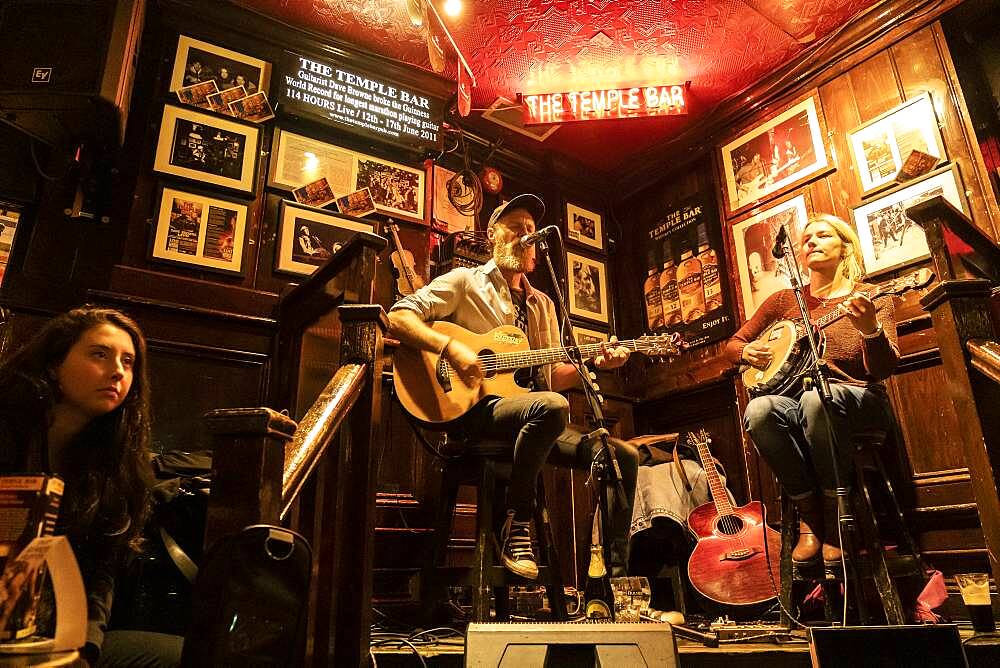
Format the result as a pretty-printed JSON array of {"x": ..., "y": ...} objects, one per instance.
[
  {"x": 599, "y": 105},
  {"x": 367, "y": 104}
]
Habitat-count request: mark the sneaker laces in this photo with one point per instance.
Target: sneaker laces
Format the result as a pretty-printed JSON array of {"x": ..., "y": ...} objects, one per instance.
[{"x": 518, "y": 541}]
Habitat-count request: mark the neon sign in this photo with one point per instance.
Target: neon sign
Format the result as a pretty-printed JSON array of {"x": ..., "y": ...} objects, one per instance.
[{"x": 599, "y": 105}]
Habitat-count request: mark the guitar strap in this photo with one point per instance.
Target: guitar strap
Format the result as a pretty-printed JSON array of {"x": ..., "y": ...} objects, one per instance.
[{"x": 661, "y": 449}]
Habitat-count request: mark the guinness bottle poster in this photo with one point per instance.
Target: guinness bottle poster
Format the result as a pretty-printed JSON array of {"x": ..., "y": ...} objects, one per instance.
[{"x": 684, "y": 287}]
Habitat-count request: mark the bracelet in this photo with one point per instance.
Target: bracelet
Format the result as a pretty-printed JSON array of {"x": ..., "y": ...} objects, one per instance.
[{"x": 876, "y": 333}]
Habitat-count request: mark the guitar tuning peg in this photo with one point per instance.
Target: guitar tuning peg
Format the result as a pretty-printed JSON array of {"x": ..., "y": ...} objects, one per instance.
[
  {"x": 593, "y": 376},
  {"x": 600, "y": 398}
]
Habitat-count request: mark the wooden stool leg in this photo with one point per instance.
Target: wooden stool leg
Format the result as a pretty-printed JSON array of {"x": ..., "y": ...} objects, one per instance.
[
  {"x": 546, "y": 547},
  {"x": 891, "y": 604},
  {"x": 484, "y": 544},
  {"x": 431, "y": 591},
  {"x": 789, "y": 518}
]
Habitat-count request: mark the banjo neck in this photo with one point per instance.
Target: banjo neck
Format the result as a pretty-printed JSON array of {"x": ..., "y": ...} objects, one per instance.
[{"x": 838, "y": 313}]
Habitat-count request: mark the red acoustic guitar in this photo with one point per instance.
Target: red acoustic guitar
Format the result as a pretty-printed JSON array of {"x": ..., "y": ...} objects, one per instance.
[{"x": 728, "y": 564}]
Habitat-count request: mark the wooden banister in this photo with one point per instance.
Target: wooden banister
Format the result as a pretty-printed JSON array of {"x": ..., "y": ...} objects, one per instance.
[{"x": 985, "y": 358}]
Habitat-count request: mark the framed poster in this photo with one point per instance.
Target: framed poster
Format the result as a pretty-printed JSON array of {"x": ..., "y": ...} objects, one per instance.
[
  {"x": 10, "y": 217},
  {"x": 586, "y": 336},
  {"x": 584, "y": 227},
  {"x": 297, "y": 160},
  {"x": 880, "y": 146},
  {"x": 308, "y": 237},
  {"x": 207, "y": 148},
  {"x": 196, "y": 62},
  {"x": 890, "y": 240},
  {"x": 774, "y": 157},
  {"x": 446, "y": 189},
  {"x": 760, "y": 274},
  {"x": 396, "y": 189},
  {"x": 199, "y": 230},
  {"x": 587, "y": 279}
]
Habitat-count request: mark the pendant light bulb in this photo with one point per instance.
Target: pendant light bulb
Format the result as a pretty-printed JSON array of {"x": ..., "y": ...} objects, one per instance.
[{"x": 453, "y": 7}]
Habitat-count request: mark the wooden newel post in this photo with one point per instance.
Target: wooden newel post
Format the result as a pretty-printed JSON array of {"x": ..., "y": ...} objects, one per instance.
[
  {"x": 967, "y": 264},
  {"x": 248, "y": 457},
  {"x": 364, "y": 327}
]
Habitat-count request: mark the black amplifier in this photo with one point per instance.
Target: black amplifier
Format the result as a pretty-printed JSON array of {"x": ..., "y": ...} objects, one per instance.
[{"x": 463, "y": 249}]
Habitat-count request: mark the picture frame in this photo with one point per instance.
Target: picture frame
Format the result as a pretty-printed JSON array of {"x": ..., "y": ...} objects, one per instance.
[
  {"x": 396, "y": 189},
  {"x": 586, "y": 336},
  {"x": 890, "y": 240},
  {"x": 196, "y": 61},
  {"x": 196, "y": 229},
  {"x": 444, "y": 212},
  {"x": 207, "y": 148},
  {"x": 301, "y": 252},
  {"x": 880, "y": 146},
  {"x": 587, "y": 287},
  {"x": 584, "y": 227},
  {"x": 775, "y": 156},
  {"x": 760, "y": 274},
  {"x": 11, "y": 218}
]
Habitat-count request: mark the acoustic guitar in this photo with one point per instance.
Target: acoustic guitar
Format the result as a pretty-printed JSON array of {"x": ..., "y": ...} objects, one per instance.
[
  {"x": 790, "y": 349},
  {"x": 431, "y": 391},
  {"x": 728, "y": 564},
  {"x": 407, "y": 279}
]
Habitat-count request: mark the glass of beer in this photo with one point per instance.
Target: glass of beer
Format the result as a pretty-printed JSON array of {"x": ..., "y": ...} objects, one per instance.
[{"x": 975, "y": 589}]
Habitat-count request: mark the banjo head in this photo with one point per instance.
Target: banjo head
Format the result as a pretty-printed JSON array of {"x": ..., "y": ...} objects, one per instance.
[{"x": 782, "y": 338}]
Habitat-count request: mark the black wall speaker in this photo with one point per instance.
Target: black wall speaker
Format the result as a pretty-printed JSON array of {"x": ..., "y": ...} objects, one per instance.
[
  {"x": 890, "y": 646},
  {"x": 604, "y": 644}
]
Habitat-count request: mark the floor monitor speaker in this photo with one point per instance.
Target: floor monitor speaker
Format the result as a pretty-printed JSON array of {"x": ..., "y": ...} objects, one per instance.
[
  {"x": 876, "y": 646},
  {"x": 604, "y": 644}
]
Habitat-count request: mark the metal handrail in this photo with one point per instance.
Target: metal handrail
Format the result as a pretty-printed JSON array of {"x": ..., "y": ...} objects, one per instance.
[
  {"x": 985, "y": 358},
  {"x": 317, "y": 428}
]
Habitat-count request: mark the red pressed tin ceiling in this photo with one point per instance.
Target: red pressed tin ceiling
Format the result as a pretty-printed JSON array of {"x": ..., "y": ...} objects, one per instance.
[{"x": 529, "y": 46}]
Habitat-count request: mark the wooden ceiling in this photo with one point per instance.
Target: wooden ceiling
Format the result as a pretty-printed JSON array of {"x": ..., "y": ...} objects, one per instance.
[{"x": 722, "y": 47}]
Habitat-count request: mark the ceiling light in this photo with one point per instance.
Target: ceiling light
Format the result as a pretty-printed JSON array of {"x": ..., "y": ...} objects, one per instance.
[{"x": 453, "y": 7}]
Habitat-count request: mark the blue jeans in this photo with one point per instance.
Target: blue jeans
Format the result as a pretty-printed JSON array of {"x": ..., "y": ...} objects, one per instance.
[{"x": 793, "y": 437}]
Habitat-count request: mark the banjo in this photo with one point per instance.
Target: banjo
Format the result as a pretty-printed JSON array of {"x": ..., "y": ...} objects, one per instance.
[{"x": 790, "y": 349}]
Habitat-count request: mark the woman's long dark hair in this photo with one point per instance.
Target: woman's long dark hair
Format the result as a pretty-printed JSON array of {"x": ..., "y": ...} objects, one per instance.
[{"x": 106, "y": 466}]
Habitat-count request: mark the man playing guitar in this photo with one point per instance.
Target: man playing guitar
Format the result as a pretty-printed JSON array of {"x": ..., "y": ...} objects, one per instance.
[
  {"x": 861, "y": 351},
  {"x": 480, "y": 299}
]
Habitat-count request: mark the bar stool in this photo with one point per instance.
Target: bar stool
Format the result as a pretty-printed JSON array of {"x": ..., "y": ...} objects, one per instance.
[
  {"x": 875, "y": 563},
  {"x": 487, "y": 465}
]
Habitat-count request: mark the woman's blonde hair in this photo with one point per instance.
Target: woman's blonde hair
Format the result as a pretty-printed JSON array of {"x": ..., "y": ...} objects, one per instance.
[{"x": 850, "y": 264}]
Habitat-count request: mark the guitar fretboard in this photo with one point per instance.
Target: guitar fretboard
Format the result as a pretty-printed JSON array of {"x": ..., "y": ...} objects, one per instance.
[
  {"x": 500, "y": 362},
  {"x": 719, "y": 495}
]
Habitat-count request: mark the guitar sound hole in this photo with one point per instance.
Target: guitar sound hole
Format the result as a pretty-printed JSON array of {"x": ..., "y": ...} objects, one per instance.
[
  {"x": 729, "y": 525},
  {"x": 487, "y": 373}
]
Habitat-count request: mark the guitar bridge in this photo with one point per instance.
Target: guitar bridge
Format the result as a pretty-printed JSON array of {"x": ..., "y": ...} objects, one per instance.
[
  {"x": 739, "y": 555},
  {"x": 443, "y": 377}
]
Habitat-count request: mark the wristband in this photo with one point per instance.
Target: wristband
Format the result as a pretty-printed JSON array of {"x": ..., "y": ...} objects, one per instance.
[{"x": 876, "y": 333}]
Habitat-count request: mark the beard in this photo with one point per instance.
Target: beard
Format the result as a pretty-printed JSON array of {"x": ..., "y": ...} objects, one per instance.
[{"x": 511, "y": 257}]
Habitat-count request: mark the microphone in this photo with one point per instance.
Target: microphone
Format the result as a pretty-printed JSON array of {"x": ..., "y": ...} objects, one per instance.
[
  {"x": 531, "y": 239},
  {"x": 778, "y": 250}
]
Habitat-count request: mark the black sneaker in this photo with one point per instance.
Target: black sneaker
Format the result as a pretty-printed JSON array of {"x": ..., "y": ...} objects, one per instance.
[{"x": 516, "y": 553}]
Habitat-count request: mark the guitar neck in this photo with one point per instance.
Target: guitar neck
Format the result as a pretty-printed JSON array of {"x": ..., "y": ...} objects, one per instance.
[
  {"x": 719, "y": 496},
  {"x": 404, "y": 267},
  {"x": 521, "y": 359}
]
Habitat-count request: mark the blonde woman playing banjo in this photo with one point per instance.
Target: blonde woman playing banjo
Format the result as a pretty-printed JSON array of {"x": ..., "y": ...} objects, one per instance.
[{"x": 861, "y": 351}]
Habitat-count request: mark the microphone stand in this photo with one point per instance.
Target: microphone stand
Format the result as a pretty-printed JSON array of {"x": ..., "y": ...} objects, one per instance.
[
  {"x": 606, "y": 470},
  {"x": 816, "y": 371}
]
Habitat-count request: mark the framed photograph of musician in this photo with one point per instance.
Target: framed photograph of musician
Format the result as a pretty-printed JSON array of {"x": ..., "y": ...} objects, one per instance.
[
  {"x": 775, "y": 156},
  {"x": 880, "y": 146},
  {"x": 587, "y": 288},
  {"x": 308, "y": 237},
  {"x": 196, "y": 62},
  {"x": 586, "y": 336},
  {"x": 199, "y": 230},
  {"x": 584, "y": 227},
  {"x": 207, "y": 148},
  {"x": 760, "y": 274},
  {"x": 890, "y": 240}
]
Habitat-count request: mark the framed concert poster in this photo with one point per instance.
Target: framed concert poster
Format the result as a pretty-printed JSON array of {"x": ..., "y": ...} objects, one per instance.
[
  {"x": 197, "y": 62},
  {"x": 586, "y": 336},
  {"x": 207, "y": 148},
  {"x": 587, "y": 279},
  {"x": 396, "y": 189},
  {"x": 890, "y": 240},
  {"x": 199, "y": 230},
  {"x": 760, "y": 274},
  {"x": 774, "y": 157},
  {"x": 584, "y": 227},
  {"x": 308, "y": 237},
  {"x": 881, "y": 146}
]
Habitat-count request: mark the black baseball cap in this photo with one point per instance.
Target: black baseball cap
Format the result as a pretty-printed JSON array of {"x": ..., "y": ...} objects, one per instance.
[{"x": 533, "y": 203}]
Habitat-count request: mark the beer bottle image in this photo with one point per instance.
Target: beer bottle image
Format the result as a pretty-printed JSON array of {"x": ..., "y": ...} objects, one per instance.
[
  {"x": 651, "y": 292},
  {"x": 709, "y": 271},
  {"x": 600, "y": 601},
  {"x": 691, "y": 287},
  {"x": 669, "y": 295}
]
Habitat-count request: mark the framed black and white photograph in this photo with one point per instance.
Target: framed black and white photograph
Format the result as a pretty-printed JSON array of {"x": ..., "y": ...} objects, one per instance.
[
  {"x": 207, "y": 148},
  {"x": 774, "y": 157},
  {"x": 200, "y": 230},
  {"x": 881, "y": 146},
  {"x": 760, "y": 274},
  {"x": 587, "y": 282},
  {"x": 890, "y": 240},
  {"x": 196, "y": 61},
  {"x": 396, "y": 189},
  {"x": 10, "y": 218},
  {"x": 584, "y": 227},
  {"x": 308, "y": 237},
  {"x": 449, "y": 191},
  {"x": 586, "y": 336},
  {"x": 297, "y": 159}
]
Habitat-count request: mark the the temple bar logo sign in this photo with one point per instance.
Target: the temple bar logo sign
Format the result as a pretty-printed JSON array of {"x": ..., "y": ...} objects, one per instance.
[
  {"x": 599, "y": 105},
  {"x": 369, "y": 105}
]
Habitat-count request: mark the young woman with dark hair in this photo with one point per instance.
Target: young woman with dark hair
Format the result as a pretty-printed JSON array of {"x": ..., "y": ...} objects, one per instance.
[{"x": 74, "y": 401}]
